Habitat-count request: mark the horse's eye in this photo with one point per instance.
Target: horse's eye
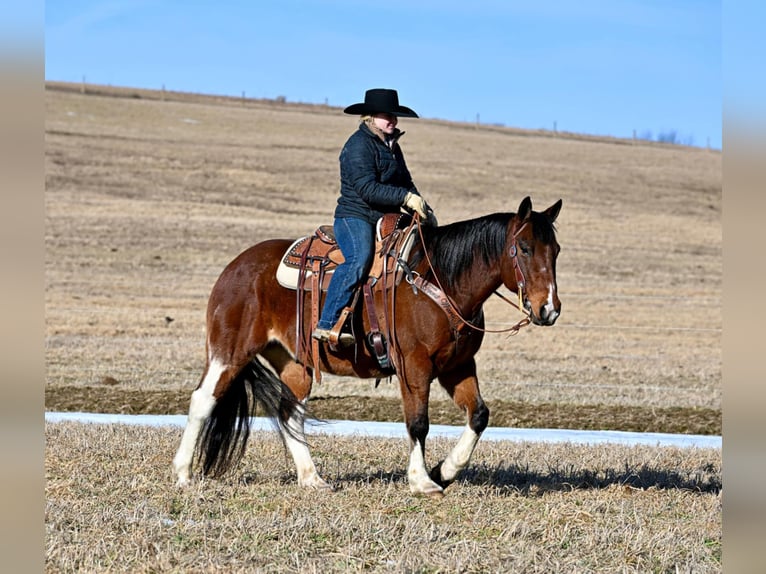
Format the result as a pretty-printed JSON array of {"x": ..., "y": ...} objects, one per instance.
[{"x": 524, "y": 248}]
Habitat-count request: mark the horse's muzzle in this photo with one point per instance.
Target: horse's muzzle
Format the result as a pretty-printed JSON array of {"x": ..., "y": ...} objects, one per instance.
[{"x": 545, "y": 316}]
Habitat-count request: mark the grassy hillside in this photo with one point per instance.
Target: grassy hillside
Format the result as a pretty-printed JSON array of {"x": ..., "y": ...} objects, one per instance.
[{"x": 150, "y": 194}]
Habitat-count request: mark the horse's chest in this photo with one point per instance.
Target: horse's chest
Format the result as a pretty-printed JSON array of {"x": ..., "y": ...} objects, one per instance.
[{"x": 458, "y": 351}]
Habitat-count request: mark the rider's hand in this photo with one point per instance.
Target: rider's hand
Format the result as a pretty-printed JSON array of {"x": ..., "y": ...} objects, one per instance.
[{"x": 417, "y": 204}]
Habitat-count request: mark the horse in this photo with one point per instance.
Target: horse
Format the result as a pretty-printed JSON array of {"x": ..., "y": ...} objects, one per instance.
[{"x": 252, "y": 332}]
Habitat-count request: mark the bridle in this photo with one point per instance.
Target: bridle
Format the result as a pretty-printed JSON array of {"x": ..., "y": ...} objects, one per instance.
[{"x": 520, "y": 283}]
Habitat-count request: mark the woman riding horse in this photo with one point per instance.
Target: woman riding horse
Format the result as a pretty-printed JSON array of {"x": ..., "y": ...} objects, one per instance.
[
  {"x": 251, "y": 323},
  {"x": 374, "y": 180}
]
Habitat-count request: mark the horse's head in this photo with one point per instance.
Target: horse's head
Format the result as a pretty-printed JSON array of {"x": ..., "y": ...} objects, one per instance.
[{"x": 529, "y": 261}]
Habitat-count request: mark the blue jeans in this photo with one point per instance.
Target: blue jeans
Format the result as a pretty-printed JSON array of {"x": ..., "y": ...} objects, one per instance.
[{"x": 356, "y": 239}]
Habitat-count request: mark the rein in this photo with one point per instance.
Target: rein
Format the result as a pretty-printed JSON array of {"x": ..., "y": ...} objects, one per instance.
[{"x": 520, "y": 284}]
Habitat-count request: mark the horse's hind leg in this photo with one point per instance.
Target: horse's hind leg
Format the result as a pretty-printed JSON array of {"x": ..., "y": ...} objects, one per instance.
[
  {"x": 202, "y": 403},
  {"x": 292, "y": 417},
  {"x": 463, "y": 387}
]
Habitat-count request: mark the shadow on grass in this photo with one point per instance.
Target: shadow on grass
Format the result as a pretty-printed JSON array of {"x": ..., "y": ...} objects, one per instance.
[
  {"x": 517, "y": 480},
  {"x": 523, "y": 480}
]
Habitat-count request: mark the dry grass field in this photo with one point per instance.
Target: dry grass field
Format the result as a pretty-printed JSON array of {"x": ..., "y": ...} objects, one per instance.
[
  {"x": 149, "y": 195},
  {"x": 519, "y": 508}
]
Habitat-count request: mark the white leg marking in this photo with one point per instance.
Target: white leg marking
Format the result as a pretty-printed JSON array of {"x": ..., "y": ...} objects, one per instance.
[
  {"x": 295, "y": 439},
  {"x": 420, "y": 482},
  {"x": 202, "y": 403},
  {"x": 459, "y": 456}
]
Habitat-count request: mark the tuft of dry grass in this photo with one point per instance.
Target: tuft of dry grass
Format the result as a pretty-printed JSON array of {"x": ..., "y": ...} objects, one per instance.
[{"x": 521, "y": 507}]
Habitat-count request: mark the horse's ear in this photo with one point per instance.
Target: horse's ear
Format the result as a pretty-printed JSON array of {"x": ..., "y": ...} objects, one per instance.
[
  {"x": 525, "y": 208},
  {"x": 553, "y": 211}
]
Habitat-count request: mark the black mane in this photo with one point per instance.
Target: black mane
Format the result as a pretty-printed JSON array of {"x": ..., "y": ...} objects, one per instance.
[{"x": 453, "y": 248}]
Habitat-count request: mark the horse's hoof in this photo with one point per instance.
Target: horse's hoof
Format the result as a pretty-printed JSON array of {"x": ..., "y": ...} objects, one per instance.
[
  {"x": 436, "y": 476},
  {"x": 183, "y": 483},
  {"x": 183, "y": 478},
  {"x": 431, "y": 490},
  {"x": 435, "y": 494},
  {"x": 318, "y": 484}
]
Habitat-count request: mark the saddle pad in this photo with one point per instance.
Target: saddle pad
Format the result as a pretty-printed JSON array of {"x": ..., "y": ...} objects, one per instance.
[{"x": 288, "y": 273}]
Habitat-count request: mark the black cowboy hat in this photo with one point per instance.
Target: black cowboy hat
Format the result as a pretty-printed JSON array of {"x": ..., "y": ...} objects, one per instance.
[{"x": 378, "y": 101}]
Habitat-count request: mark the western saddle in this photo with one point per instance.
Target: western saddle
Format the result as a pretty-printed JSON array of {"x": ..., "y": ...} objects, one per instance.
[{"x": 308, "y": 264}]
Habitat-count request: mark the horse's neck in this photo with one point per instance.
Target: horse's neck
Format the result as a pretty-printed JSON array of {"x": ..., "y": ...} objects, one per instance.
[{"x": 474, "y": 287}]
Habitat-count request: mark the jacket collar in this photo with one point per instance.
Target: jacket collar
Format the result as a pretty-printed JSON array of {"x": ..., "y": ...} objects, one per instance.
[{"x": 388, "y": 140}]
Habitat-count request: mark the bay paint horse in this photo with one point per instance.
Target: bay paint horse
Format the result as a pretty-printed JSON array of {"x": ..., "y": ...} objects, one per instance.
[{"x": 251, "y": 343}]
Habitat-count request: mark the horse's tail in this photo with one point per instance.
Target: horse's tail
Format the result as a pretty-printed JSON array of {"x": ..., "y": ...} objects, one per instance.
[{"x": 223, "y": 439}]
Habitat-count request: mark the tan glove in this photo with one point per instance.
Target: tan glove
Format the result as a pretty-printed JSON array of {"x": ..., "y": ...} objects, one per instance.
[{"x": 417, "y": 204}]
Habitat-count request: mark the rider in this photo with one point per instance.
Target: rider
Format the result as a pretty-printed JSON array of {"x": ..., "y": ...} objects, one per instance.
[{"x": 374, "y": 180}]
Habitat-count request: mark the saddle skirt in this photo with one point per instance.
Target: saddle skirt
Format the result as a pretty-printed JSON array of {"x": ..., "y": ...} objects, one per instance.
[{"x": 393, "y": 236}]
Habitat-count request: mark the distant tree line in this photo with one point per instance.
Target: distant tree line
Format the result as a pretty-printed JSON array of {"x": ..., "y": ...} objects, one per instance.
[{"x": 668, "y": 136}]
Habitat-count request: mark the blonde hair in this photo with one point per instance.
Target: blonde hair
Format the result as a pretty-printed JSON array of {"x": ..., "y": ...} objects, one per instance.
[{"x": 370, "y": 121}]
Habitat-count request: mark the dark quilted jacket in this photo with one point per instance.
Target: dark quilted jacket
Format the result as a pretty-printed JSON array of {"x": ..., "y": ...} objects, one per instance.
[{"x": 373, "y": 176}]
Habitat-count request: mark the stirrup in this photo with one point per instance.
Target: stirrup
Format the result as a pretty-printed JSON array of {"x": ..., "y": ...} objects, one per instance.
[
  {"x": 342, "y": 339},
  {"x": 337, "y": 336},
  {"x": 327, "y": 336}
]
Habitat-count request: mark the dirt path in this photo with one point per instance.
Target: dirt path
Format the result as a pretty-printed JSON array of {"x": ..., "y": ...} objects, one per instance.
[{"x": 504, "y": 413}]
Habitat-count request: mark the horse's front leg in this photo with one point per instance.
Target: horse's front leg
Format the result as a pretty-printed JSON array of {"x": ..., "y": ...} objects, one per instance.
[
  {"x": 415, "y": 402},
  {"x": 463, "y": 386}
]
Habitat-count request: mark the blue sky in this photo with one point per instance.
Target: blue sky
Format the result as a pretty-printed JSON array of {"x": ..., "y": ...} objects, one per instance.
[{"x": 605, "y": 67}]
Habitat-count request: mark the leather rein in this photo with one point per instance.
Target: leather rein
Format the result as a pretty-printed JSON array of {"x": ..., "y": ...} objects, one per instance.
[{"x": 520, "y": 285}]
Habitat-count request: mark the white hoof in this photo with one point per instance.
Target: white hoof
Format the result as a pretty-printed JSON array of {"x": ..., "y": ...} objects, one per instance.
[
  {"x": 183, "y": 482},
  {"x": 316, "y": 483},
  {"x": 183, "y": 475}
]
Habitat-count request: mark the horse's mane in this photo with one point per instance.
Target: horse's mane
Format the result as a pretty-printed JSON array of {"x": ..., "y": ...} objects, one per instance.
[{"x": 454, "y": 248}]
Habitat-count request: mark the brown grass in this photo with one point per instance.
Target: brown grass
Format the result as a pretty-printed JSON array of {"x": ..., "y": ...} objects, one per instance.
[
  {"x": 521, "y": 508},
  {"x": 148, "y": 199}
]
